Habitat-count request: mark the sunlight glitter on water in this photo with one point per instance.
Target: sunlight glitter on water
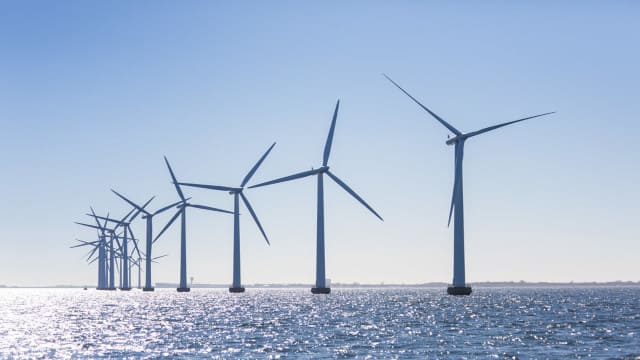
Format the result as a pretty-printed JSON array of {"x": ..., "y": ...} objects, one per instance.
[{"x": 388, "y": 323}]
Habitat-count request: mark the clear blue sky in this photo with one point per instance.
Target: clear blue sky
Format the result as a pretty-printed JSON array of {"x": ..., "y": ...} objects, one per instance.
[{"x": 93, "y": 94}]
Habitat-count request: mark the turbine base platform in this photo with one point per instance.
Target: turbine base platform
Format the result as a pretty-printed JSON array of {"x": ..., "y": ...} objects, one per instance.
[
  {"x": 183, "y": 289},
  {"x": 148, "y": 289},
  {"x": 459, "y": 290},
  {"x": 110, "y": 289},
  {"x": 236, "y": 289},
  {"x": 320, "y": 290},
  {"x": 125, "y": 289}
]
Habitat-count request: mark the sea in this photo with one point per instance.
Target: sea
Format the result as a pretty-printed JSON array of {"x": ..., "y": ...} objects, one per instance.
[{"x": 383, "y": 323}]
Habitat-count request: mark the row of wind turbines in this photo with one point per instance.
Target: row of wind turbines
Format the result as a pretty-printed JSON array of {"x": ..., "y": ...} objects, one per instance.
[{"x": 111, "y": 248}]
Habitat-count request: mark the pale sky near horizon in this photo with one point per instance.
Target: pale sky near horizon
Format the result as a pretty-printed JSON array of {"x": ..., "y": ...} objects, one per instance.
[{"x": 93, "y": 94}]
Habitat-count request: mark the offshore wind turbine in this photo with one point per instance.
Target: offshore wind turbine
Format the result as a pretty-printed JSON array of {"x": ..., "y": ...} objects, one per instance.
[
  {"x": 320, "y": 285},
  {"x": 108, "y": 268},
  {"x": 459, "y": 286},
  {"x": 126, "y": 225},
  {"x": 98, "y": 245},
  {"x": 236, "y": 285},
  {"x": 182, "y": 212},
  {"x": 148, "y": 216}
]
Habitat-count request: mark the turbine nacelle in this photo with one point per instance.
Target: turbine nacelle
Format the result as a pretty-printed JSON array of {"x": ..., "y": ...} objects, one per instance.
[{"x": 455, "y": 139}]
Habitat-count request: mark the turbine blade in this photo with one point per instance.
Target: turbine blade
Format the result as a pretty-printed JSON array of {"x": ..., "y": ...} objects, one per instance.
[
  {"x": 141, "y": 209},
  {"x": 168, "y": 224},
  {"x": 210, "y": 187},
  {"x": 455, "y": 187},
  {"x": 83, "y": 243},
  {"x": 353, "y": 193},
  {"x": 92, "y": 261},
  {"x": 87, "y": 225},
  {"x": 173, "y": 177},
  {"x": 453, "y": 199},
  {"x": 327, "y": 145},
  {"x": 105, "y": 222},
  {"x": 159, "y": 257},
  {"x": 94, "y": 214},
  {"x": 135, "y": 241},
  {"x": 494, "y": 127},
  {"x": 446, "y": 124},
  {"x": 254, "y": 216},
  {"x": 168, "y": 207},
  {"x": 210, "y": 208},
  {"x": 118, "y": 244},
  {"x": 290, "y": 177},
  {"x": 130, "y": 202},
  {"x": 106, "y": 219},
  {"x": 256, "y": 166},
  {"x": 122, "y": 221},
  {"x": 92, "y": 252}
]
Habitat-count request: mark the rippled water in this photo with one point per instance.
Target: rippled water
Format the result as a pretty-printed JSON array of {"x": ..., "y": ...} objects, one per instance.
[{"x": 376, "y": 323}]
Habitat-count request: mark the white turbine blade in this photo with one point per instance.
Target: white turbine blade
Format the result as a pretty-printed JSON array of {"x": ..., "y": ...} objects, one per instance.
[
  {"x": 140, "y": 210},
  {"x": 94, "y": 214},
  {"x": 161, "y": 210},
  {"x": 135, "y": 241},
  {"x": 353, "y": 193},
  {"x": 130, "y": 202},
  {"x": 446, "y": 124},
  {"x": 173, "y": 177},
  {"x": 487, "y": 129},
  {"x": 254, "y": 216},
  {"x": 210, "y": 208},
  {"x": 168, "y": 224},
  {"x": 290, "y": 177},
  {"x": 84, "y": 243},
  {"x": 210, "y": 187},
  {"x": 105, "y": 225},
  {"x": 87, "y": 225},
  {"x": 256, "y": 166},
  {"x": 327, "y": 145},
  {"x": 455, "y": 188}
]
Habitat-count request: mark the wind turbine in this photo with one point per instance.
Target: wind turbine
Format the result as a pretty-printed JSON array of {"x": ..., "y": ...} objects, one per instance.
[
  {"x": 236, "y": 286},
  {"x": 137, "y": 263},
  {"x": 320, "y": 286},
  {"x": 148, "y": 216},
  {"x": 110, "y": 266},
  {"x": 182, "y": 212},
  {"x": 459, "y": 286},
  {"x": 98, "y": 245},
  {"x": 126, "y": 225}
]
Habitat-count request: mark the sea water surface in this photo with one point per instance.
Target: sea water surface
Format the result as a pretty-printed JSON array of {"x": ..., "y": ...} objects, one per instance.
[{"x": 292, "y": 323}]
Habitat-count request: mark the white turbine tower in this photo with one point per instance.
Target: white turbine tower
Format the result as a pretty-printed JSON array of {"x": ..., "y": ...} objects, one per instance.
[
  {"x": 321, "y": 286},
  {"x": 459, "y": 286},
  {"x": 237, "y": 192}
]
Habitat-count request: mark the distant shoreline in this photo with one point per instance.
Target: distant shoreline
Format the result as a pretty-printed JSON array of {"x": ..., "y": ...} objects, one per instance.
[{"x": 496, "y": 284}]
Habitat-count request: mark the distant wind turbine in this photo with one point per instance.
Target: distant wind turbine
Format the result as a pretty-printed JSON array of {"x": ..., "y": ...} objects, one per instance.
[
  {"x": 148, "y": 216},
  {"x": 183, "y": 230},
  {"x": 320, "y": 285},
  {"x": 97, "y": 245},
  {"x": 125, "y": 223},
  {"x": 459, "y": 286},
  {"x": 109, "y": 274},
  {"x": 236, "y": 286}
]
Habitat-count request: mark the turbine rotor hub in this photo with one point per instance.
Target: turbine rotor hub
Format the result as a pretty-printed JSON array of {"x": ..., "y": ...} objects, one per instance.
[{"x": 454, "y": 140}]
